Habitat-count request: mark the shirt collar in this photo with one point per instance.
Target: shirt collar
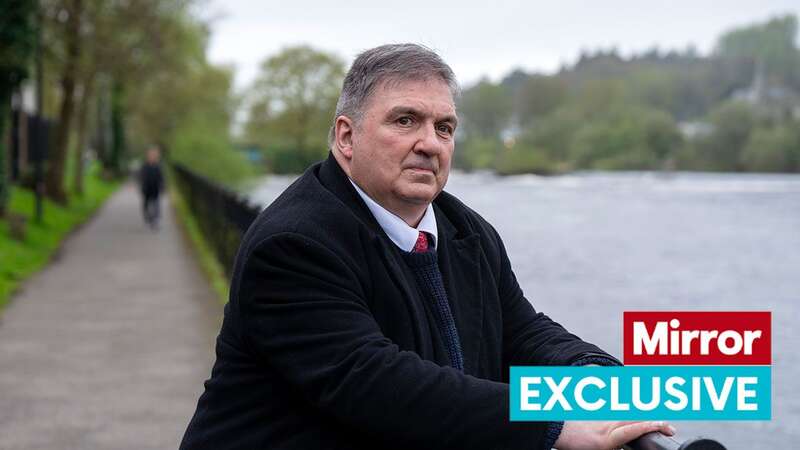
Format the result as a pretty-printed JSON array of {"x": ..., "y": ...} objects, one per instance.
[{"x": 396, "y": 228}]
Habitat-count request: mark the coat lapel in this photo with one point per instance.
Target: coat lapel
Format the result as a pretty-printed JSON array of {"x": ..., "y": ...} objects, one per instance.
[{"x": 334, "y": 178}]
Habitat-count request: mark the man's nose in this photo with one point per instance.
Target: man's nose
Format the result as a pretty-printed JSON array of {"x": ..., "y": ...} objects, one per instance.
[{"x": 429, "y": 141}]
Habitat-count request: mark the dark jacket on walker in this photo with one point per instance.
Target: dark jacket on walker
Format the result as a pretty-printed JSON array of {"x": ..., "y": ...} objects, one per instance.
[{"x": 151, "y": 180}]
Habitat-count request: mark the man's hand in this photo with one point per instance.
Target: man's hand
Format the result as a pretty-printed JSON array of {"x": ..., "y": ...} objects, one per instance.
[{"x": 605, "y": 435}]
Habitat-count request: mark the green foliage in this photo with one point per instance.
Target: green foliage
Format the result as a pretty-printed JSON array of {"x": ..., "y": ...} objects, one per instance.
[
  {"x": 22, "y": 259},
  {"x": 181, "y": 87},
  {"x": 773, "y": 149},
  {"x": 771, "y": 44},
  {"x": 189, "y": 111},
  {"x": 610, "y": 112},
  {"x": 553, "y": 134},
  {"x": 17, "y": 41},
  {"x": 486, "y": 110},
  {"x": 5, "y": 185},
  {"x": 197, "y": 129},
  {"x": 479, "y": 152},
  {"x": 202, "y": 147},
  {"x": 626, "y": 138},
  {"x": 685, "y": 91},
  {"x": 594, "y": 98},
  {"x": 293, "y": 102},
  {"x": 134, "y": 60},
  {"x": 520, "y": 159},
  {"x": 539, "y": 96},
  {"x": 732, "y": 123}
]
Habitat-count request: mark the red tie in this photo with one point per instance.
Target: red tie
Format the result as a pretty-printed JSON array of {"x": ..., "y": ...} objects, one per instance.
[{"x": 422, "y": 243}]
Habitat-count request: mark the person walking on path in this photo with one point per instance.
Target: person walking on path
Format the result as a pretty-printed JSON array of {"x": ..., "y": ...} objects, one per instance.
[{"x": 151, "y": 182}]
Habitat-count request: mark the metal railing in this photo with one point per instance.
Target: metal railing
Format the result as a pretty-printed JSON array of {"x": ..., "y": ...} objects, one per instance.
[
  {"x": 222, "y": 215},
  {"x": 658, "y": 441}
]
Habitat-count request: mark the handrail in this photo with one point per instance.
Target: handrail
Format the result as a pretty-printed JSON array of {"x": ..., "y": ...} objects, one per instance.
[
  {"x": 658, "y": 441},
  {"x": 222, "y": 215}
]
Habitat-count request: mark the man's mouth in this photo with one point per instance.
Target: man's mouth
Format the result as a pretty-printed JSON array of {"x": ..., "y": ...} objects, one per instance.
[{"x": 421, "y": 169}]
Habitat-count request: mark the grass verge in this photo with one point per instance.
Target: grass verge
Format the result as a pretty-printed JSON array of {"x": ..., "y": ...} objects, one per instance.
[
  {"x": 205, "y": 256},
  {"x": 21, "y": 259}
]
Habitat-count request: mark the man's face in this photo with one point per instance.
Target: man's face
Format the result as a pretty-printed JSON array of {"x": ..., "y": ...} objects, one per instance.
[{"x": 403, "y": 144}]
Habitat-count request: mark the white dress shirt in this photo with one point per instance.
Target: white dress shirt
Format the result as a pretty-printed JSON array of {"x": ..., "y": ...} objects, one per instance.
[{"x": 403, "y": 235}]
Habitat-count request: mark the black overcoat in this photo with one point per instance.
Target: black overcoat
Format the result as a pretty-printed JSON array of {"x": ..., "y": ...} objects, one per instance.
[{"x": 327, "y": 342}]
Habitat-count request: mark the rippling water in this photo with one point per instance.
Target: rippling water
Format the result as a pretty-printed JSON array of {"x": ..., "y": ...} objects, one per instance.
[{"x": 588, "y": 246}]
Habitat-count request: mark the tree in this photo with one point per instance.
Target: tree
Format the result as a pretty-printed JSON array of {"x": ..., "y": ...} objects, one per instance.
[
  {"x": 112, "y": 46},
  {"x": 66, "y": 19},
  {"x": 292, "y": 107},
  {"x": 595, "y": 97},
  {"x": 732, "y": 123},
  {"x": 628, "y": 137},
  {"x": 539, "y": 96},
  {"x": 201, "y": 140},
  {"x": 486, "y": 110},
  {"x": 17, "y": 41},
  {"x": 553, "y": 134},
  {"x": 770, "y": 45}
]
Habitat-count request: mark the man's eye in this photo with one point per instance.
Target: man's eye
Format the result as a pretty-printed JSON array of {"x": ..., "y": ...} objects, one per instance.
[
  {"x": 405, "y": 120},
  {"x": 445, "y": 129}
]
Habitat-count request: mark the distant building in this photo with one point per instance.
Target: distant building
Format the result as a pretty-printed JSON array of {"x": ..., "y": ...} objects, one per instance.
[{"x": 695, "y": 129}]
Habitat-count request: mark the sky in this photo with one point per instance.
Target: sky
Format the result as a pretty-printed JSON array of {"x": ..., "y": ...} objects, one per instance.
[{"x": 477, "y": 39}]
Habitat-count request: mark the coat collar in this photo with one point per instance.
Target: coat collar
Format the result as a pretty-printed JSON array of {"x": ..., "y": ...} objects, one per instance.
[{"x": 335, "y": 180}]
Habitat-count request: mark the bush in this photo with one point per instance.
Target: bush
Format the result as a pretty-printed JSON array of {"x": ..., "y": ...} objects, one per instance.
[
  {"x": 732, "y": 123},
  {"x": 628, "y": 138},
  {"x": 772, "y": 149},
  {"x": 478, "y": 152},
  {"x": 520, "y": 159}
]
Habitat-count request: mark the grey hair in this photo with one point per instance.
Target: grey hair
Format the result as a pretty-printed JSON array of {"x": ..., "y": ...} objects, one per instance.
[{"x": 388, "y": 63}]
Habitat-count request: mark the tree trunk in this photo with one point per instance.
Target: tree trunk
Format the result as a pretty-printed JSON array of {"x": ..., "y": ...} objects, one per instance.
[
  {"x": 118, "y": 141},
  {"x": 102, "y": 127},
  {"x": 56, "y": 164},
  {"x": 83, "y": 116}
]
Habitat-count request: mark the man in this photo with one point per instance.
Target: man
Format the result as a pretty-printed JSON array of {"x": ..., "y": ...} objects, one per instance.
[
  {"x": 151, "y": 183},
  {"x": 371, "y": 310}
]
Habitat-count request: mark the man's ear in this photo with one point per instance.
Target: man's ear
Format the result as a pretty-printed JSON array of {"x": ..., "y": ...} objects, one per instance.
[{"x": 343, "y": 136}]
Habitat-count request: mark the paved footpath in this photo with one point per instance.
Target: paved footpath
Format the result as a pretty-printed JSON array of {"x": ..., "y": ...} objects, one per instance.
[{"x": 108, "y": 347}]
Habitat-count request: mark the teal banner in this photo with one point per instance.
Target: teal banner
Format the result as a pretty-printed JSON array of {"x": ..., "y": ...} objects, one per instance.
[{"x": 550, "y": 393}]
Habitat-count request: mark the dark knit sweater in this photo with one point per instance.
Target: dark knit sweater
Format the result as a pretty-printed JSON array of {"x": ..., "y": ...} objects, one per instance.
[
  {"x": 429, "y": 279},
  {"x": 425, "y": 268}
]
